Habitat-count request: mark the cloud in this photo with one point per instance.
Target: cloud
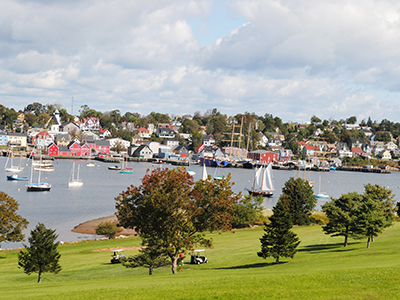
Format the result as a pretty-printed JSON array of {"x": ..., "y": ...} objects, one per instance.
[{"x": 293, "y": 59}]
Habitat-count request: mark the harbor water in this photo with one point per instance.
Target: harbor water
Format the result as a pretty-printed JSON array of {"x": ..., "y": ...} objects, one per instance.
[{"x": 63, "y": 208}]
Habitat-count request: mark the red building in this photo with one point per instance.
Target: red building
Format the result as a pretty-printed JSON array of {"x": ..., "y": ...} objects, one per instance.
[
  {"x": 77, "y": 149},
  {"x": 263, "y": 156}
]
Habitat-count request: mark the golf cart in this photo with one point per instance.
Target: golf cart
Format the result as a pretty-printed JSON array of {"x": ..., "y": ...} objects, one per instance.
[
  {"x": 198, "y": 257},
  {"x": 117, "y": 256}
]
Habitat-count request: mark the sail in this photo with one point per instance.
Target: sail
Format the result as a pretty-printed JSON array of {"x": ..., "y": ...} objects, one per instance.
[
  {"x": 269, "y": 176},
  {"x": 205, "y": 176},
  {"x": 258, "y": 178},
  {"x": 264, "y": 185}
]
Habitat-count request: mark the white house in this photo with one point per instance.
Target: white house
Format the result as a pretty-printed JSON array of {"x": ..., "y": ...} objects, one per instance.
[{"x": 115, "y": 140}]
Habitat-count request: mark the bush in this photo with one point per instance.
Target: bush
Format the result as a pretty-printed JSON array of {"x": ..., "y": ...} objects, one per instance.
[
  {"x": 108, "y": 229},
  {"x": 247, "y": 212}
]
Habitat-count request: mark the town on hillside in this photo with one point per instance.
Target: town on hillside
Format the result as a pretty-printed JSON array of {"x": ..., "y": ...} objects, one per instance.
[{"x": 212, "y": 138}]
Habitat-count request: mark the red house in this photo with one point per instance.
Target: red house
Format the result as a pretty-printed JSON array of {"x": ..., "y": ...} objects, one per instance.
[
  {"x": 77, "y": 149},
  {"x": 53, "y": 150},
  {"x": 263, "y": 156}
]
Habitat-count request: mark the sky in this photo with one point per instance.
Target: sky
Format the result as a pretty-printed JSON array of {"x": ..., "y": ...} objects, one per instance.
[{"x": 290, "y": 58}]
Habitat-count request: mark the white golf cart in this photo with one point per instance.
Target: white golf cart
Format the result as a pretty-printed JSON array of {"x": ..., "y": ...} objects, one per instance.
[
  {"x": 198, "y": 257},
  {"x": 117, "y": 256}
]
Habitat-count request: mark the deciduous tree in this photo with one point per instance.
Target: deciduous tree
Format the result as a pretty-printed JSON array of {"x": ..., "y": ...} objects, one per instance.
[
  {"x": 279, "y": 240},
  {"x": 42, "y": 254},
  {"x": 342, "y": 215},
  {"x": 371, "y": 219},
  {"x": 108, "y": 229},
  {"x": 172, "y": 211},
  {"x": 11, "y": 224}
]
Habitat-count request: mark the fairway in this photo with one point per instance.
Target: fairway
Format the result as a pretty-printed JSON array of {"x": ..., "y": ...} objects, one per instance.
[{"x": 321, "y": 269}]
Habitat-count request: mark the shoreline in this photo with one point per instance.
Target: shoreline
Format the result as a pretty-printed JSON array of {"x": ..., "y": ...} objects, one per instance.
[{"x": 89, "y": 227}]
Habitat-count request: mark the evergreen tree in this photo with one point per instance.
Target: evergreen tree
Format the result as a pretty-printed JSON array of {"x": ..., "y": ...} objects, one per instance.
[
  {"x": 42, "y": 255},
  {"x": 342, "y": 215},
  {"x": 278, "y": 239},
  {"x": 298, "y": 197},
  {"x": 151, "y": 256}
]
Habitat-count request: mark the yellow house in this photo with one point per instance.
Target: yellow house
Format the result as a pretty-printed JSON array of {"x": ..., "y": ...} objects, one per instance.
[{"x": 17, "y": 139}]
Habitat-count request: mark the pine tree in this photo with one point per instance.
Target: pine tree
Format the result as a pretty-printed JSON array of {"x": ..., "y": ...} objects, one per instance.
[
  {"x": 298, "y": 197},
  {"x": 42, "y": 255},
  {"x": 278, "y": 239}
]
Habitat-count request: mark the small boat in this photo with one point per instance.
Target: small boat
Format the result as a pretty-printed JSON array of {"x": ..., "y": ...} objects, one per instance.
[
  {"x": 115, "y": 168},
  {"x": 260, "y": 185},
  {"x": 90, "y": 164},
  {"x": 12, "y": 168},
  {"x": 44, "y": 168},
  {"x": 191, "y": 172},
  {"x": 37, "y": 186},
  {"x": 321, "y": 195},
  {"x": 75, "y": 182},
  {"x": 15, "y": 177},
  {"x": 125, "y": 168}
]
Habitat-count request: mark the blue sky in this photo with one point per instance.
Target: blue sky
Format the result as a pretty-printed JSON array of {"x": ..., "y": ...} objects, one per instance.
[{"x": 290, "y": 58}]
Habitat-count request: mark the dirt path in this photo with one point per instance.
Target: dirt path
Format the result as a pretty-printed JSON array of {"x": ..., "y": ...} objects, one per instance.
[{"x": 89, "y": 227}]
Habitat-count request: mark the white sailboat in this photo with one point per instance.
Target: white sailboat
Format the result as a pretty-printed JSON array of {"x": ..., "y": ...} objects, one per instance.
[
  {"x": 12, "y": 168},
  {"x": 75, "y": 181},
  {"x": 321, "y": 195},
  {"x": 37, "y": 186},
  {"x": 262, "y": 184}
]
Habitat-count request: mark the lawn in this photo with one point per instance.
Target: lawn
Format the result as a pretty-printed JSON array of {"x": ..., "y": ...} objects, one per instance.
[{"x": 322, "y": 269}]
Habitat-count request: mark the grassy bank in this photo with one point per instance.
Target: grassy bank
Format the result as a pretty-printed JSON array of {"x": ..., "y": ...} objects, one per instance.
[{"x": 322, "y": 269}]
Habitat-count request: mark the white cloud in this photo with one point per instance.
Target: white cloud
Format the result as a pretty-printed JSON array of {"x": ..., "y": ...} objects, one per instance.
[{"x": 291, "y": 58}]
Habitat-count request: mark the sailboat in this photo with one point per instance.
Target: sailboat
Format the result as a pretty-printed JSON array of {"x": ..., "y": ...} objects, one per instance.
[
  {"x": 125, "y": 168},
  {"x": 75, "y": 182},
  {"x": 262, "y": 184},
  {"x": 37, "y": 186},
  {"x": 321, "y": 195},
  {"x": 12, "y": 168}
]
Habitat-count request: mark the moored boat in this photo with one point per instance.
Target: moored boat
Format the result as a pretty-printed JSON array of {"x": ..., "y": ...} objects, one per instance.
[
  {"x": 262, "y": 184},
  {"x": 37, "y": 186},
  {"x": 75, "y": 182},
  {"x": 15, "y": 177}
]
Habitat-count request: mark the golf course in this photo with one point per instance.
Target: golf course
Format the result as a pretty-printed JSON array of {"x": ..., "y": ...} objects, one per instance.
[{"x": 321, "y": 269}]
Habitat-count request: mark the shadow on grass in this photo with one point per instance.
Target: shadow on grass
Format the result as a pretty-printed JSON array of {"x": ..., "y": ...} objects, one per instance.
[
  {"x": 251, "y": 266},
  {"x": 337, "y": 247}
]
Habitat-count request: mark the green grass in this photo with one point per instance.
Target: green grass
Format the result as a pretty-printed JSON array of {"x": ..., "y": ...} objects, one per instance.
[{"x": 322, "y": 269}]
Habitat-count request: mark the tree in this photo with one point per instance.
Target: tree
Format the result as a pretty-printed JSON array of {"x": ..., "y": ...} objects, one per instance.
[
  {"x": 384, "y": 198},
  {"x": 11, "y": 224},
  {"x": 298, "y": 197},
  {"x": 370, "y": 220},
  {"x": 118, "y": 147},
  {"x": 278, "y": 239},
  {"x": 42, "y": 255},
  {"x": 108, "y": 229},
  {"x": 247, "y": 211},
  {"x": 151, "y": 257},
  {"x": 171, "y": 211},
  {"x": 342, "y": 215}
]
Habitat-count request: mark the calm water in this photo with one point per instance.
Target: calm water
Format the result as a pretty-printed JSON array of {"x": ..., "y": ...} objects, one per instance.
[{"x": 63, "y": 208}]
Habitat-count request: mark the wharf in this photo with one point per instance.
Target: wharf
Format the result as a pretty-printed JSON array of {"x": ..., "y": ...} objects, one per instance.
[{"x": 366, "y": 170}]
